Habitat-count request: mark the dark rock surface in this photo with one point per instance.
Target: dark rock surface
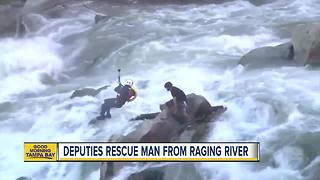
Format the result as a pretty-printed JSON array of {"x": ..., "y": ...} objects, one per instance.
[{"x": 164, "y": 127}]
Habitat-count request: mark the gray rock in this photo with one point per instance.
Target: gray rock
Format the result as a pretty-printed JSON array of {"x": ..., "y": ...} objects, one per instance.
[
  {"x": 168, "y": 124},
  {"x": 99, "y": 17},
  {"x": 185, "y": 171},
  {"x": 87, "y": 92},
  {"x": 306, "y": 43},
  {"x": 261, "y": 2},
  {"x": 23, "y": 178},
  {"x": 10, "y": 18},
  {"x": 146, "y": 116},
  {"x": 280, "y": 55},
  {"x": 45, "y": 78},
  {"x": 151, "y": 173},
  {"x": 165, "y": 128}
]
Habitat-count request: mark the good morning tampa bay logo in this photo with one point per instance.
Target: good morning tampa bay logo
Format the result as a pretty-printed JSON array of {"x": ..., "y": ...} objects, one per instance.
[{"x": 40, "y": 151}]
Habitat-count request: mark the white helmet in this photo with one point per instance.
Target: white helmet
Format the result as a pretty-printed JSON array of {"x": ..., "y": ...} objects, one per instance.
[{"x": 128, "y": 82}]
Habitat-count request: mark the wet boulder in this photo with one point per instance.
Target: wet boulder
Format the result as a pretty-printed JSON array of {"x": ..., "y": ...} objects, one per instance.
[
  {"x": 10, "y": 17},
  {"x": 99, "y": 17},
  {"x": 164, "y": 127},
  {"x": 261, "y": 2},
  {"x": 306, "y": 43},
  {"x": 167, "y": 125},
  {"x": 23, "y": 178},
  {"x": 185, "y": 171},
  {"x": 281, "y": 55},
  {"x": 87, "y": 92}
]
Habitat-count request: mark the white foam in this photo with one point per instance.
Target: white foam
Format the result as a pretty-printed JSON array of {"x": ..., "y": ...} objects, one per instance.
[
  {"x": 271, "y": 105},
  {"x": 23, "y": 61}
]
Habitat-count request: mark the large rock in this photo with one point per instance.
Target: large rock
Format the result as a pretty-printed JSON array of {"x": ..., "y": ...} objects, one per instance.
[
  {"x": 306, "y": 43},
  {"x": 185, "y": 171},
  {"x": 87, "y": 92},
  {"x": 269, "y": 56},
  {"x": 23, "y": 178},
  {"x": 261, "y": 2},
  {"x": 99, "y": 17},
  {"x": 10, "y": 18},
  {"x": 166, "y": 128}
]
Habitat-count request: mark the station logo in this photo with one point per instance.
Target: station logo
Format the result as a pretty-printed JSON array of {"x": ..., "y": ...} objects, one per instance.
[{"x": 40, "y": 152}]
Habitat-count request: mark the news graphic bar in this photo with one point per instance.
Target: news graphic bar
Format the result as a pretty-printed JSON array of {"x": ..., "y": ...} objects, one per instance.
[{"x": 178, "y": 152}]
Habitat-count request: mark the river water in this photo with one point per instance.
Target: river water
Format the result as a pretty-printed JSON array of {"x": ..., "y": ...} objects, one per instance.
[{"x": 196, "y": 47}]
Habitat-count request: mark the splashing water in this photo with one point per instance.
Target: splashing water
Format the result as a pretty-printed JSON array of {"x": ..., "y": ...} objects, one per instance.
[{"x": 197, "y": 48}]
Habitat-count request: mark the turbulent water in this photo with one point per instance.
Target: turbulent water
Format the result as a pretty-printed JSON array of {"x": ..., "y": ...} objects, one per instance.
[{"x": 197, "y": 48}]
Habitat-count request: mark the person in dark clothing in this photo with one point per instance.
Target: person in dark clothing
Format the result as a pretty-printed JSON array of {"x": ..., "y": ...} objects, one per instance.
[
  {"x": 176, "y": 93},
  {"x": 179, "y": 101},
  {"x": 125, "y": 93}
]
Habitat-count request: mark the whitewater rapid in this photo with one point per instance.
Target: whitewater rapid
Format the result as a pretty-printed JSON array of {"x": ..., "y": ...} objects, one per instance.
[{"x": 195, "y": 47}]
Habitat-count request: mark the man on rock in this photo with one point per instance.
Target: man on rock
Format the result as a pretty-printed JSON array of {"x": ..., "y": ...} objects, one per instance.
[{"x": 179, "y": 102}]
